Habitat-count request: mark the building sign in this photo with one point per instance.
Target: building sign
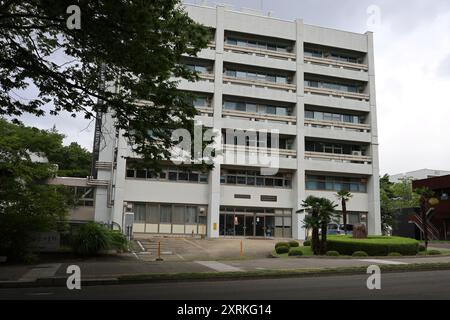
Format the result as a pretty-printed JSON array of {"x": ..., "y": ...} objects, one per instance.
[{"x": 47, "y": 241}]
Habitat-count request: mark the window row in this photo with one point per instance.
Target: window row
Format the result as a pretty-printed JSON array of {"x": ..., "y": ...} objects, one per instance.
[
  {"x": 335, "y": 184},
  {"x": 258, "y": 76},
  {"x": 83, "y": 196},
  {"x": 336, "y": 148},
  {"x": 333, "y": 86},
  {"x": 257, "y": 139},
  {"x": 167, "y": 174},
  {"x": 253, "y": 179},
  {"x": 257, "y": 108},
  {"x": 154, "y": 213},
  {"x": 317, "y": 53},
  {"x": 326, "y": 116},
  {"x": 257, "y": 44},
  {"x": 199, "y": 68}
]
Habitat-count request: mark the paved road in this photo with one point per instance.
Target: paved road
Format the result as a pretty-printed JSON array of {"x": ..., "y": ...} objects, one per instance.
[{"x": 414, "y": 285}]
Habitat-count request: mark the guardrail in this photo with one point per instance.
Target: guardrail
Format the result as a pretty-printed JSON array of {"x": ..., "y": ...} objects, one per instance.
[
  {"x": 335, "y": 93},
  {"x": 269, "y": 151},
  {"x": 342, "y": 125},
  {"x": 346, "y": 158},
  {"x": 255, "y": 116},
  {"x": 263, "y": 52},
  {"x": 335, "y": 63},
  {"x": 262, "y": 84}
]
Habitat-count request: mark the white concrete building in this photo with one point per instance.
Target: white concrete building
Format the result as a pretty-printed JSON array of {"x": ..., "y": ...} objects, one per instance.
[
  {"x": 314, "y": 85},
  {"x": 418, "y": 175}
]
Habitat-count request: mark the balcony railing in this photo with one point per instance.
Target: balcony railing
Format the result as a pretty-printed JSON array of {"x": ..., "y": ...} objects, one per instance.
[
  {"x": 104, "y": 165},
  {"x": 207, "y": 77},
  {"x": 259, "y": 117},
  {"x": 345, "y": 158},
  {"x": 336, "y": 64},
  {"x": 339, "y": 94},
  {"x": 260, "y": 52},
  {"x": 285, "y": 153},
  {"x": 337, "y": 125},
  {"x": 205, "y": 111},
  {"x": 261, "y": 84}
]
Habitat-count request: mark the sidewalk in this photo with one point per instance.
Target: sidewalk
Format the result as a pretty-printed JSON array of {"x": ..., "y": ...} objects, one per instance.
[{"x": 111, "y": 269}]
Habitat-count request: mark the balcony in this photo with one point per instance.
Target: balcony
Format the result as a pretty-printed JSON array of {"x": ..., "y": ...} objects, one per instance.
[
  {"x": 260, "y": 84},
  {"x": 344, "y": 158},
  {"x": 258, "y": 116},
  {"x": 345, "y": 126},
  {"x": 336, "y": 93},
  {"x": 260, "y": 52},
  {"x": 336, "y": 64},
  {"x": 284, "y": 153}
]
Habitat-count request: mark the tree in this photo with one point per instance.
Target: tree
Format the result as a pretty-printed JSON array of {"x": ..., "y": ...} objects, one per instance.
[
  {"x": 425, "y": 196},
  {"x": 27, "y": 204},
  {"x": 320, "y": 213},
  {"x": 344, "y": 196},
  {"x": 123, "y": 52},
  {"x": 72, "y": 160}
]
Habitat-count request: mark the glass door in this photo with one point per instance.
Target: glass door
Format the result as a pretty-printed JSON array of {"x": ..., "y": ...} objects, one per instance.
[
  {"x": 249, "y": 226},
  {"x": 259, "y": 226}
]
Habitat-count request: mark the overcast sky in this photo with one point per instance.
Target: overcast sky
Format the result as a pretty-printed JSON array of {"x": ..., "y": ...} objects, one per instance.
[{"x": 412, "y": 56}]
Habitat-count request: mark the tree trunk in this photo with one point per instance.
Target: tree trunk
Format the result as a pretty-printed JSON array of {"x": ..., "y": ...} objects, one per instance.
[
  {"x": 344, "y": 215},
  {"x": 424, "y": 208},
  {"x": 315, "y": 241},
  {"x": 323, "y": 245}
]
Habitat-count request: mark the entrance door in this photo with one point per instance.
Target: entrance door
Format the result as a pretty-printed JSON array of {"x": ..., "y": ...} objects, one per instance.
[
  {"x": 259, "y": 226},
  {"x": 249, "y": 226},
  {"x": 239, "y": 225}
]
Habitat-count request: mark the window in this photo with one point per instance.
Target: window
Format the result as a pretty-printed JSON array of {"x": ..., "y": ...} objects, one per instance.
[
  {"x": 166, "y": 214},
  {"x": 178, "y": 215},
  {"x": 269, "y": 198},
  {"x": 191, "y": 215},
  {"x": 153, "y": 213},
  {"x": 130, "y": 173},
  {"x": 193, "y": 177},
  {"x": 139, "y": 212},
  {"x": 183, "y": 176},
  {"x": 242, "y": 196},
  {"x": 141, "y": 174}
]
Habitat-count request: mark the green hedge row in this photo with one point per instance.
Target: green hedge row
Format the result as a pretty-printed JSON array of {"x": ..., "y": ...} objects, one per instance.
[{"x": 373, "y": 246}]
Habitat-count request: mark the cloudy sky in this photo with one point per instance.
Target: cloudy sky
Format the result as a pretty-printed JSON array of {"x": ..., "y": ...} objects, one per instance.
[{"x": 412, "y": 52}]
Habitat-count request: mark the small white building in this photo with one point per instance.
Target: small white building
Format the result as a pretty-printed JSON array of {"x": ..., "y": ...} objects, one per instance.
[
  {"x": 418, "y": 175},
  {"x": 314, "y": 86}
]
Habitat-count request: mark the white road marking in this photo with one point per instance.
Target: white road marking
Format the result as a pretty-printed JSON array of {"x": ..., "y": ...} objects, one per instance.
[
  {"x": 140, "y": 245},
  {"x": 218, "y": 266},
  {"x": 194, "y": 244},
  {"x": 41, "y": 271},
  {"x": 180, "y": 256},
  {"x": 391, "y": 262}
]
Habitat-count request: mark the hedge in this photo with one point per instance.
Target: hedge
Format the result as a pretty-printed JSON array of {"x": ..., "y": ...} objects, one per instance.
[
  {"x": 282, "y": 249},
  {"x": 295, "y": 252},
  {"x": 293, "y": 244},
  {"x": 373, "y": 245}
]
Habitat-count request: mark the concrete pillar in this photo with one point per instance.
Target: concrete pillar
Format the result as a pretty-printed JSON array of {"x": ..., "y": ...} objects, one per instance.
[
  {"x": 298, "y": 232},
  {"x": 374, "y": 216}
]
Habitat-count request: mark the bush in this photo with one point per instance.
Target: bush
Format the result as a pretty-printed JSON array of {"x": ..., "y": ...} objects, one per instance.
[
  {"x": 394, "y": 254},
  {"x": 307, "y": 243},
  {"x": 117, "y": 241},
  {"x": 373, "y": 246},
  {"x": 90, "y": 239},
  {"x": 293, "y": 244},
  {"x": 422, "y": 248},
  {"x": 295, "y": 252},
  {"x": 433, "y": 252},
  {"x": 282, "y": 244},
  {"x": 360, "y": 254},
  {"x": 333, "y": 254},
  {"x": 282, "y": 249}
]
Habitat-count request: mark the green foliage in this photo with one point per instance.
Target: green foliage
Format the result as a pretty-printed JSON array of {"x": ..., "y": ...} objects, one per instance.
[
  {"x": 293, "y": 244},
  {"x": 307, "y": 243},
  {"x": 332, "y": 254},
  {"x": 282, "y": 244},
  {"x": 282, "y": 249},
  {"x": 27, "y": 203},
  {"x": 295, "y": 252},
  {"x": 394, "y": 197},
  {"x": 139, "y": 44},
  {"x": 90, "y": 239},
  {"x": 422, "y": 248},
  {"x": 434, "y": 252},
  {"x": 72, "y": 160},
  {"x": 373, "y": 246},
  {"x": 394, "y": 254},
  {"x": 360, "y": 254},
  {"x": 117, "y": 241}
]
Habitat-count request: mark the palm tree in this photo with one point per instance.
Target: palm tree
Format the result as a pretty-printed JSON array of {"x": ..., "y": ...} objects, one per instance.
[
  {"x": 425, "y": 196},
  {"x": 344, "y": 196},
  {"x": 321, "y": 212}
]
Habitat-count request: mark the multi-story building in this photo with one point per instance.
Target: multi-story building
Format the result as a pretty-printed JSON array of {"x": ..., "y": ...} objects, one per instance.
[{"x": 313, "y": 86}]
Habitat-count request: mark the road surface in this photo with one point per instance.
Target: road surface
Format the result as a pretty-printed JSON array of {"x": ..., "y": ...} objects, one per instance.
[{"x": 412, "y": 285}]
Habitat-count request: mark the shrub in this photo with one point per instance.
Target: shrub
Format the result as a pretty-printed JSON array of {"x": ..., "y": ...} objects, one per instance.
[
  {"x": 293, "y": 244},
  {"x": 332, "y": 254},
  {"x": 307, "y": 243},
  {"x": 433, "y": 252},
  {"x": 422, "y": 248},
  {"x": 282, "y": 244},
  {"x": 373, "y": 245},
  {"x": 295, "y": 252},
  {"x": 90, "y": 239},
  {"x": 360, "y": 254},
  {"x": 117, "y": 241},
  {"x": 394, "y": 254},
  {"x": 282, "y": 249}
]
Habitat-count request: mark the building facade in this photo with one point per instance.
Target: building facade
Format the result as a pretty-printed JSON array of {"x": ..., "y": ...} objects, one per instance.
[{"x": 310, "y": 88}]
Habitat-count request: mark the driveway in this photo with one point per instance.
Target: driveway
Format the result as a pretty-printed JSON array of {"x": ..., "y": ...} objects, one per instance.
[{"x": 190, "y": 249}]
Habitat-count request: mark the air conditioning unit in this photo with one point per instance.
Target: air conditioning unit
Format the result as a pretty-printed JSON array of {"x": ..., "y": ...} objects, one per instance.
[{"x": 356, "y": 153}]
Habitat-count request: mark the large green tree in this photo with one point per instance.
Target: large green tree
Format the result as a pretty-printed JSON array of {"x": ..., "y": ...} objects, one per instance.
[
  {"x": 27, "y": 203},
  {"x": 136, "y": 48}
]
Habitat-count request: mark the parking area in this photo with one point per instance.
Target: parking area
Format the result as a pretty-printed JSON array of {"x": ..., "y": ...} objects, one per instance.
[{"x": 191, "y": 249}]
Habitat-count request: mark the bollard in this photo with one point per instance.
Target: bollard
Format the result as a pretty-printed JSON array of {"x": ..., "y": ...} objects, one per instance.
[
  {"x": 159, "y": 252},
  {"x": 242, "y": 249}
]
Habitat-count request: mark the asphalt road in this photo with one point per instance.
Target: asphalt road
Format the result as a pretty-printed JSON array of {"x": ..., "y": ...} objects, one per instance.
[{"x": 413, "y": 285}]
